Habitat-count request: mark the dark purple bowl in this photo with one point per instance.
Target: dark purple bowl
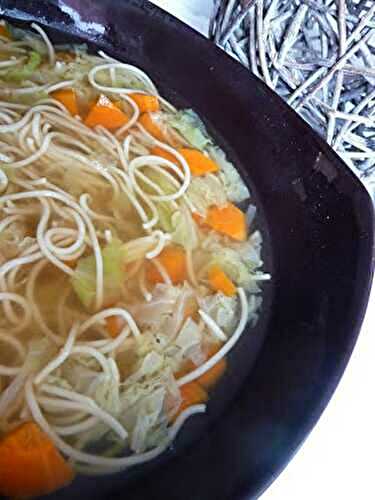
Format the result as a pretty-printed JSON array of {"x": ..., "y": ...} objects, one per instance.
[{"x": 317, "y": 219}]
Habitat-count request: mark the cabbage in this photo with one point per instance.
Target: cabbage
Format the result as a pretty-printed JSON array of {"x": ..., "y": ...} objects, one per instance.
[
  {"x": 165, "y": 212},
  {"x": 184, "y": 231},
  {"x": 189, "y": 342},
  {"x": 239, "y": 260},
  {"x": 179, "y": 224},
  {"x": 189, "y": 336},
  {"x": 151, "y": 364},
  {"x": 135, "y": 396},
  {"x": 84, "y": 278},
  {"x": 191, "y": 127},
  {"x": 19, "y": 74},
  {"x": 206, "y": 191},
  {"x": 250, "y": 251},
  {"x": 222, "y": 309},
  {"x": 161, "y": 180},
  {"x": 235, "y": 189},
  {"x": 107, "y": 394},
  {"x": 33, "y": 41},
  {"x": 163, "y": 304},
  {"x": 148, "y": 413},
  {"x": 232, "y": 264},
  {"x": 162, "y": 316},
  {"x": 255, "y": 302}
]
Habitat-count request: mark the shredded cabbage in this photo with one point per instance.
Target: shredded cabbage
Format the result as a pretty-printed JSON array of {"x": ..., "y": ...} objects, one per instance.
[
  {"x": 206, "y": 191},
  {"x": 148, "y": 412},
  {"x": 84, "y": 278},
  {"x": 161, "y": 180},
  {"x": 33, "y": 41},
  {"x": 162, "y": 316},
  {"x": 107, "y": 394},
  {"x": 184, "y": 232},
  {"x": 191, "y": 127},
  {"x": 143, "y": 410},
  {"x": 189, "y": 336},
  {"x": 19, "y": 74},
  {"x": 232, "y": 264},
  {"x": 165, "y": 212},
  {"x": 235, "y": 189},
  {"x": 239, "y": 260},
  {"x": 222, "y": 309}
]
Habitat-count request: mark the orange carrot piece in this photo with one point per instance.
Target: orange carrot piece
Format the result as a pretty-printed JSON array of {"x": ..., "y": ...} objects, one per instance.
[
  {"x": 157, "y": 151},
  {"x": 198, "y": 219},
  {"x": 4, "y": 31},
  {"x": 228, "y": 220},
  {"x": 173, "y": 259},
  {"x": 146, "y": 102},
  {"x": 187, "y": 367},
  {"x": 199, "y": 163},
  {"x": 104, "y": 112},
  {"x": 220, "y": 282},
  {"x": 68, "y": 98},
  {"x": 147, "y": 122},
  {"x": 30, "y": 464},
  {"x": 191, "y": 394},
  {"x": 209, "y": 379},
  {"x": 114, "y": 325}
]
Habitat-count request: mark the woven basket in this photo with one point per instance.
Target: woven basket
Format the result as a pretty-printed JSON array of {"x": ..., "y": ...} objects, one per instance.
[{"x": 318, "y": 55}]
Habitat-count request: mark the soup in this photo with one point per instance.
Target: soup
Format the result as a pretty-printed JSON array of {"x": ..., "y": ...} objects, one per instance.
[{"x": 127, "y": 269}]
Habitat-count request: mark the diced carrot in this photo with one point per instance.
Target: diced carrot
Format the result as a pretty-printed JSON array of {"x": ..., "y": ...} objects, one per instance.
[
  {"x": 228, "y": 220},
  {"x": 209, "y": 379},
  {"x": 114, "y": 325},
  {"x": 146, "y": 102},
  {"x": 198, "y": 219},
  {"x": 191, "y": 394},
  {"x": 199, "y": 163},
  {"x": 30, "y": 464},
  {"x": 173, "y": 259},
  {"x": 4, "y": 31},
  {"x": 104, "y": 112},
  {"x": 157, "y": 151},
  {"x": 148, "y": 122},
  {"x": 187, "y": 367},
  {"x": 68, "y": 98},
  {"x": 220, "y": 282}
]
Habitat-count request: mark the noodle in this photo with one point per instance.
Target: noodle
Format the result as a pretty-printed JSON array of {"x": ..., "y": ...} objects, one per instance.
[{"x": 106, "y": 253}]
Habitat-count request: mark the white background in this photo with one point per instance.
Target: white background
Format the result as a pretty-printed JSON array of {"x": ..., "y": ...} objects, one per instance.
[{"x": 337, "y": 461}]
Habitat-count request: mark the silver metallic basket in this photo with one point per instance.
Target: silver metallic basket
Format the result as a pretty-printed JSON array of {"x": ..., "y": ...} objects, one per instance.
[{"x": 319, "y": 55}]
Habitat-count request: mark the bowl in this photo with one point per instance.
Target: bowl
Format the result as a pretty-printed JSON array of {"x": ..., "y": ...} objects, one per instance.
[{"x": 317, "y": 220}]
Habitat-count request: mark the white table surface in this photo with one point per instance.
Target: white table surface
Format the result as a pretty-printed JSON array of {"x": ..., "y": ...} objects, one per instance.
[{"x": 337, "y": 461}]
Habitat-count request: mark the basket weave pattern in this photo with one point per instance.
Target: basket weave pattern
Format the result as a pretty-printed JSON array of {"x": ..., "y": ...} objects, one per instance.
[{"x": 318, "y": 55}]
